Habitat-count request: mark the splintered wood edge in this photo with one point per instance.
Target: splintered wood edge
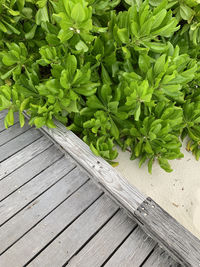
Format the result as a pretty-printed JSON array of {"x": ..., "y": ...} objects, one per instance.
[{"x": 172, "y": 236}]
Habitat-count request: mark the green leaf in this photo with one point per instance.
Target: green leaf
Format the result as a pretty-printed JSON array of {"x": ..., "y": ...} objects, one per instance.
[
  {"x": 137, "y": 113},
  {"x": 94, "y": 150},
  {"x": 164, "y": 164},
  {"x": 106, "y": 92},
  {"x": 71, "y": 65},
  {"x": 50, "y": 124},
  {"x": 123, "y": 35},
  {"x": 148, "y": 148},
  {"x": 65, "y": 35},
  {"x": 138, "y": 148},
  {"x": 41, "y": 3},
  {"x": 78, "y": 13},
  {"x": 20, "y": 4},
  {"x": 24, "y": 104},
  {"x": 150, "y": 164},
  {"x": 39, "y": 122},
  {"x": 156, "y": 47},
  {"x": 7, "y": 74},
  {"x": 10, "y": 117},
  {"x": 31, "y": 34},
  {"x": 114, "y": 130},
  {"x": 134, "y": 29},
  {"x": 159, "y": 65},
  {"x": 11, "y": 28},
  {"x": 186, "y": 12},
  {"x": 105, "y": 76},
  {"x": 42, "y": 15},
  {"x": 159, "y": 19},
  {"x": 2, "y": 27},
  {"x": 9, "y": 59},
  {"x": 81, "y": 46},
  {"x": 13, "y": 12},
  {"x": 21, "y": 119}
]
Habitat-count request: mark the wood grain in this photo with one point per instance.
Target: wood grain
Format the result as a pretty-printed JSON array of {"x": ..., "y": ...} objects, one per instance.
[
  {"x": 18, "y": 143},
  {"x": 44, "y": 232},
  {"x": 27, "y": 218},
  {"x": 23, "y": 156},
  {"x": 112, "y": 181},
  {"x": 118, "y": 188},
  {"x": 3, "y": 114},
  {"x": 77, "y": 234},
  {"x": 29, "y": 170},
  {"x": 173, "y": 237},
  {"x": 135, "y": 250},
  {"x": 34, "y": 188},
  {"x": 107, "y": 177},
  {"x": 105, "y": 242},
  {"x": 12, "y": 132},
  {"x": 160, "y": 258}
]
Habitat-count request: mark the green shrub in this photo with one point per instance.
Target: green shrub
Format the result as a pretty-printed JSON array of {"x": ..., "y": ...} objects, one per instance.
[{"x": 114, "y": 72}]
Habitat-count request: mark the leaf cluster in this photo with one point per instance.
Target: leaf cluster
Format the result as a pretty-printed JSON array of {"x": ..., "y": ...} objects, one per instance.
[{"x": 120, "y": 72}]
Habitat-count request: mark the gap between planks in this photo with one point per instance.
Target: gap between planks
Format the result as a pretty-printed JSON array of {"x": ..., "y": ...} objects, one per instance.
[
  {"x": 45, "y": 232},
  {"x": 112, "y": 181},
  {"x": 40, "y": 208},
  {"x": 121, "y": 191}
]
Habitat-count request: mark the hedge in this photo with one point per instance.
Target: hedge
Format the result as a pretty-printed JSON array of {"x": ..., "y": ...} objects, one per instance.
[{"x": 123, "y": 73}]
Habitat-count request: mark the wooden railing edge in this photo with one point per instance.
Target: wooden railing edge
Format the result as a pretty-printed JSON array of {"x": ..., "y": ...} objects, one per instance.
[
  {"x": 182, "y": 245},
  {"x": 104, "y": 174}
]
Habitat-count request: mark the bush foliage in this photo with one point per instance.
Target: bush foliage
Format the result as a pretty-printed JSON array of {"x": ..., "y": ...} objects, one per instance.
[{"x": 120, "y": 72}]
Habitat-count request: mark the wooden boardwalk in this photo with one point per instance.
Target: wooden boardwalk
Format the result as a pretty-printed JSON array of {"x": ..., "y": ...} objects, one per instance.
[{"x": 52, "y": 213}]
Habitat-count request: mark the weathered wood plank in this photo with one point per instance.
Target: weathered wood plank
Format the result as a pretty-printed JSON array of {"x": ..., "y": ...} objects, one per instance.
[
  {"x": 19, "y": 143},
  {"x": 44, "y": 232},
  {"x": 134, "y": 250},
  {"x": 77, "y": 234},
  {"x": 105, "y": 242},
  {"x": 41, "y": 207},
  {"x": 23, "y": 156},
  {"x": 25, "y": 173},
  {"x": 31, "y": 190},
  {"x": 12, "y": 132},
  {"x": 177, "y": 240},
  {"x": 2, "y": 115},
  {"x": 160, "y": 258},
  {"x": 117, "y": 186}
]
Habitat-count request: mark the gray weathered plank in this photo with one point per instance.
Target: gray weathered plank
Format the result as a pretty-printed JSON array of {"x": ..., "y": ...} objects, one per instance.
[
  {"x": 160, "y": 258},
  {"x": 120, "y": 190},
  {"x": 23, "y": 156},
  {"x": 25, "y": 173},
  {"x": 77, "y": 234},
  {"x": 19, "y": 143},
  {"x": 105, "y": 242},
  {"x": 27, "y": 218},
  {"x": 3, "y": 114},
  {"x": 44, "y": 232},
  {"x": 31, "y": 190},
  {"x": 177, "y": 240},
  {"x": 2, "y": 126},
  {"x": 112, "y": 181},
  {"x": 135, "y": 250},
  {"x": 12, "y": 132}
]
